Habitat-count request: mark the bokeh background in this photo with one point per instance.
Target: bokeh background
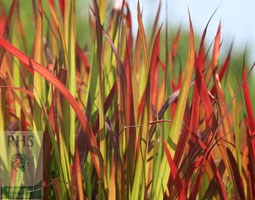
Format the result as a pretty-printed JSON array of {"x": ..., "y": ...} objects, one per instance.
[{"x": 237, "y": 19}]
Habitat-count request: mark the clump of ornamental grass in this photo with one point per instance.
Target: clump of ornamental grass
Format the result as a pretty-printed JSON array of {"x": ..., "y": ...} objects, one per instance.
[{"x": 117, "y": 122}]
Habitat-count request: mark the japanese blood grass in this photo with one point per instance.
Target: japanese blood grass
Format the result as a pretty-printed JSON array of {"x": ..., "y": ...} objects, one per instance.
[{"x": 116, "y": 123}]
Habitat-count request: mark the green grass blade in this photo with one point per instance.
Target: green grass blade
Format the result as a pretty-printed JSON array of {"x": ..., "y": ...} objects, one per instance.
[{"x": 178, "y": 117}]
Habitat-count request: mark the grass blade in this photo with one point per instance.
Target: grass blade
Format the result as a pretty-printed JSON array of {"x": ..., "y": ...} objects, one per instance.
[
  {"x": 248, "y": 100},
  {"x": 27, "y": 61},
  {"x": 176, "y": 125},
  {"x": 174, "y": 173},
  {"x": 237, "y": 176}
]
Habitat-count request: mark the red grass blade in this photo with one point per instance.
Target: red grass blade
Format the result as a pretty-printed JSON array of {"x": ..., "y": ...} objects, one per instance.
[
  {"x": 201, "y": 57},
  {"x": 141, "y": 105},
  {"x": 226, "y": 63},
  {"x": 83, "y": 58},
  {"x": 200, "y": 162},
  {"x": 198, "y": 180},
  {"x": 23, "y": 122},
  {"x": 194, "y": 119},
  {"x": 78, "y": 174},
  {"x": 155, "y": 23},
  {"x": 218, "y": 179},
  {"x": 154, "y": 71},
  {"x": 237, "y": 176},
  {"x": 203, "y": 92},
  {"x": 129, "y": 105},
  {"x": 2, "y": 24},
  {"x": 247, "y": 99},
  {"x": 29, "y": 63},
  {"x": 174, "y": 173},
  {"x": 175, "y": 44},
  {"x": 107, "y": 105},
  {"x": 19, "y": 89},
  {"x": 9, "y": 17},
  {"x": 223, "y": 69},
  {"x": 62, "y": 8},
  {"x": 219, "y": 91},
  {"x": 216, "y": 49}
]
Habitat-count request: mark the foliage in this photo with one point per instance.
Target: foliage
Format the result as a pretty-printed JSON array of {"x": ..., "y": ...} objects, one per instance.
[{"x": 119, "y": 121}]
